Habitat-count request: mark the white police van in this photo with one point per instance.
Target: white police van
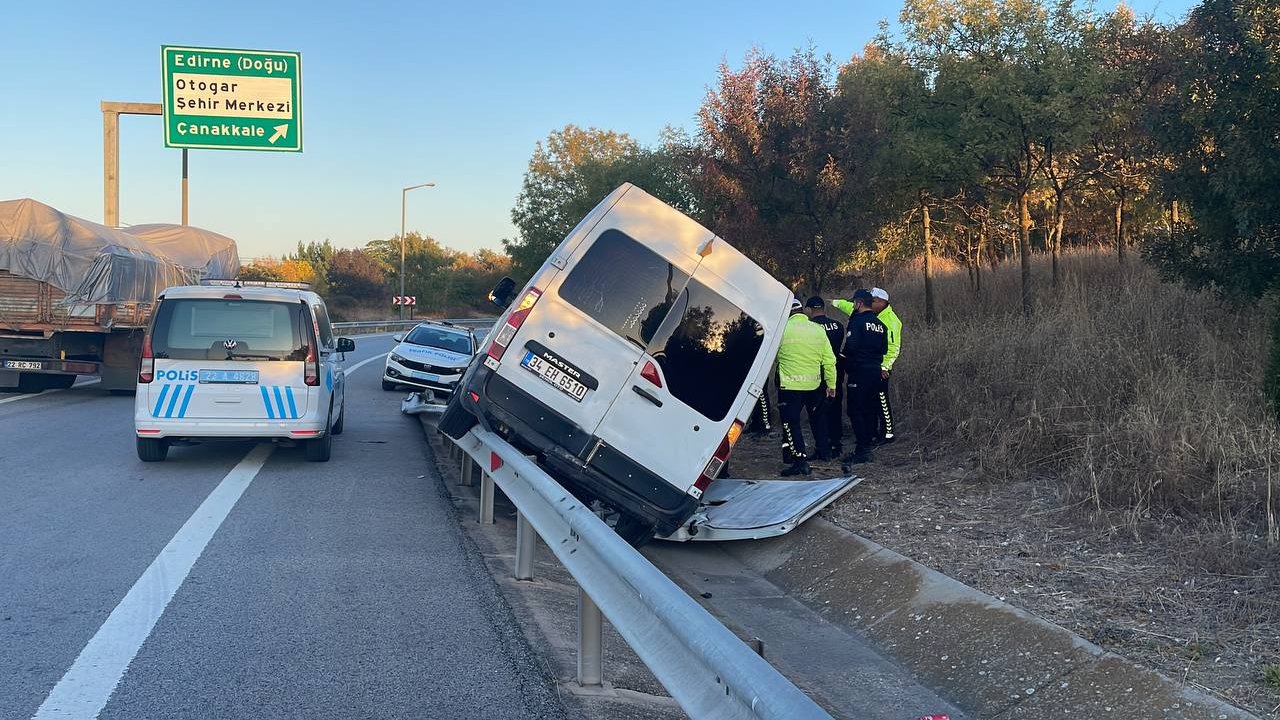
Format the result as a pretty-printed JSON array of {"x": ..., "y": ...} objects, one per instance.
[{"x": 231, "y": 359}]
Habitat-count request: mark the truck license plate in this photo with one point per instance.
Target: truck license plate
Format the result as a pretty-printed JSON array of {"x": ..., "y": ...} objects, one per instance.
[
  {"x": 24, "y": 364},
  {"x": 554, "y": 375}
]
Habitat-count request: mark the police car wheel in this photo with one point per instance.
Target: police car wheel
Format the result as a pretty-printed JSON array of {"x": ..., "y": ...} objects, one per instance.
[
  {"x": 320, "y": 449},
  {"x": 152, "y": 449},
  {"x": 387, "y": 385}
]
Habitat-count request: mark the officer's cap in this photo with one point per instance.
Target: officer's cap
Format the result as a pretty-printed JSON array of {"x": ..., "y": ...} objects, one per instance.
[{"x": 815, "y": 302}]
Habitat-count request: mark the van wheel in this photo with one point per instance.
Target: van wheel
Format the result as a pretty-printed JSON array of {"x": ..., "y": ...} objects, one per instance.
[
  {"x": 152, "y": 449},
  {"x": 635, "y": 531},
  {"x": 388, "y": 385},
  {"x": 455, "y": 421},
  {"x": 342, "y": 420},
  {"x": 320, "y": 449}
]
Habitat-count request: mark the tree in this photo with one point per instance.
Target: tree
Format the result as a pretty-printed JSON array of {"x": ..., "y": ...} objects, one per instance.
[
  {"x": 571, "y": 172},
  {"x": 261, "y": 270},
  {"x": 1219, "y": 122},
  {"x": 356, "y": 277},
  {"x": 785, "y": 165}
]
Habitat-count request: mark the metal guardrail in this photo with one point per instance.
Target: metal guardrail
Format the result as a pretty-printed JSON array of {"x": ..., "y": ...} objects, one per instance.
[
  {"x": 706, "y": 668},
  {"x": 380, "y": 326}
]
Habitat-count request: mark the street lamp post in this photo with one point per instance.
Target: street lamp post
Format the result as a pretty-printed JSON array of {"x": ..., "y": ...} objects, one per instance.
[{"x": 404, "y": 194}]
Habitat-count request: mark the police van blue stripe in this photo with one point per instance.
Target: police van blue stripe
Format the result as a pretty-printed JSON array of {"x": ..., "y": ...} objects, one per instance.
[
  {"x": 293, "y": 411},
  {"x": 160, "y": 403},
  {"x": 266, "y": 401},
  {"x": 186, "y": 398},
  {"x": 173, "y": 401},
  {"x": 279, "y": 400}
]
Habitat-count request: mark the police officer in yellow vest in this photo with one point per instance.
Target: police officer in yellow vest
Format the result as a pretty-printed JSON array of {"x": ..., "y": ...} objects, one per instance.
[{"x": 806, "y": 378}]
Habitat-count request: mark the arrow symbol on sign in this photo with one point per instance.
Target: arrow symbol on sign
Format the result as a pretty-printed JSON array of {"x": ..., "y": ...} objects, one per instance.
[{"x": 281, "y": 131}]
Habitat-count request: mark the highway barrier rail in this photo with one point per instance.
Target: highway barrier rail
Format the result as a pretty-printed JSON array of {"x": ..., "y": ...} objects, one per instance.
[
  {"x": 707, "y": 669},
  {"x": 369, "y": 327}
]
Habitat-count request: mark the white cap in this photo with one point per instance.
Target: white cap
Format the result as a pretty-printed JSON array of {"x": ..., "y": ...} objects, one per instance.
[
  {"x": 880, "y": 293},
  {"x": 796, "y": 304}
]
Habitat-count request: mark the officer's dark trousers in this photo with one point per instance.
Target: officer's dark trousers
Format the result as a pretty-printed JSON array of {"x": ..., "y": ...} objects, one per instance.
[
  {"x": 792, "y": 405},
  {"x": 835, "y": 414},
  {"x": 884, "y": 418},
  {"x": 864, "y": 404}
]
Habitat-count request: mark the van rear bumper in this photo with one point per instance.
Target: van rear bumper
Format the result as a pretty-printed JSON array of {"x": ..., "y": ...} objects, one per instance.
[
  {"x": 229, "y": 429},
  {"x": 583, "y": 462}
]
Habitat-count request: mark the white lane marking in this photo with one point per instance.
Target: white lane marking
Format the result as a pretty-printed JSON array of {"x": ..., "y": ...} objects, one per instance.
[
  {"x": 87, "y": 686},
  {"x": 366, "y": 361},
  {"x": 16, "y": 398}
]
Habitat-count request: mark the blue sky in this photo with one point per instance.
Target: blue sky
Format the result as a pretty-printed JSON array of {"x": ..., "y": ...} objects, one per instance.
[{"x": 394, "y": 94}]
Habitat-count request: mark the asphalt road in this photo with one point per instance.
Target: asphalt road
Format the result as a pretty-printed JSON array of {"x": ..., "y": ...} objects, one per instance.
[{"x": 341, "y": 589}]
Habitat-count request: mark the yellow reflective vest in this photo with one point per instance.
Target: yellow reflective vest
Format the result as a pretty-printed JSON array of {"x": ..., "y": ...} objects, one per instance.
[{"x": 805, "y": 359}]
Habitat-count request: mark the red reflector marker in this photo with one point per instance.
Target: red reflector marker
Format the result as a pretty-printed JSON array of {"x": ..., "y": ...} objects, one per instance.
[
  {"x": 650, "y": 372},
  {"x": 495, "y": 462},
  {"x": 475, "y": 396},
  {"x": 304, "y": 432},
  {"x": 148, "y": 432}
]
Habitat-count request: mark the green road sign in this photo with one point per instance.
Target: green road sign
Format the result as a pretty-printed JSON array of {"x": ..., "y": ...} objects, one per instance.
[{"x": 222, "y": 99}]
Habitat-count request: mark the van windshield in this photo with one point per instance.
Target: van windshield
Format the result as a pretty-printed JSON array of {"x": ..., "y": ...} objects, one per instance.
[
  {"x": 229, "y": 329},
  {"x": 436, "y": 338}
]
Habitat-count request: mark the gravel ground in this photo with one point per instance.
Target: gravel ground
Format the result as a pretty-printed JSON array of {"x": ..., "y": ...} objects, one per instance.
[{"x": 1194, "y": 600}]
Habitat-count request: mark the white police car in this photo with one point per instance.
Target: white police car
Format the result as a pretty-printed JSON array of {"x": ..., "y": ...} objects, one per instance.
[
  {"x": 237, "y": 359},
  {"x": 432, "y": 356}
]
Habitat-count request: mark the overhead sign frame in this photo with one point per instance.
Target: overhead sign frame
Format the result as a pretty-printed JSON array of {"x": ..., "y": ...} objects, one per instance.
[{"x": 232, "y": 99}]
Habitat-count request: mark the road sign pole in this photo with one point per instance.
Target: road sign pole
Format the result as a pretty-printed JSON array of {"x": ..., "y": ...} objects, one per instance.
[
  {"x": 184, "y": 186},
  {"x": 111, "y": 112}
]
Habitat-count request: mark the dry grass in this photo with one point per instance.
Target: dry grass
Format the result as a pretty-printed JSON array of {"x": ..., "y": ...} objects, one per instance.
[
  {"x": 1107, "y": 465},
  {"x": 1133, "y": 393}
]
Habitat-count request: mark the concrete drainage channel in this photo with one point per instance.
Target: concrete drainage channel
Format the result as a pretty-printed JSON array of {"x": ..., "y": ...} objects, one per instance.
[{"x": 865, "y": 632}]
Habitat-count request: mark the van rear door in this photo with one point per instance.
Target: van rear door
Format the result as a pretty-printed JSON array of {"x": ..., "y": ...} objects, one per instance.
[
  {"x": 229, "y": 359},
  {"x": 588, "y": 330},
  {"x": 694, "y": 381}
]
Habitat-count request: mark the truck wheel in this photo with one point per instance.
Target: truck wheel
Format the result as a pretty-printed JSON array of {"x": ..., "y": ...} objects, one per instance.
[
  {"x": 152, "y": 449},
  {"x": 455, "y": 421},
  {"x": 320, "y": 449},
  {"x": 32, "y": 382},
  {"x": 59, "y": 382},
  {"x": 388, "y": 385}
]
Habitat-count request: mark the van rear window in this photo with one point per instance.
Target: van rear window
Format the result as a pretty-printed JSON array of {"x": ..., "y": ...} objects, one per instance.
[
  {"x": 222, "y": 329},
  {"x": 706, "y": 350},
  {"x": 624, "y": 286},
  {"x": 705, "y": 344}
]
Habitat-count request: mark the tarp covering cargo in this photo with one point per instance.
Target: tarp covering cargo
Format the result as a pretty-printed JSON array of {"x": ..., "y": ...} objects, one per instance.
[{"x": 95, "y": 264}]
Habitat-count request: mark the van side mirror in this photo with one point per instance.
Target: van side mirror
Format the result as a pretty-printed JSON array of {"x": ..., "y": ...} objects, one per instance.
[
  {"x": 503, "y": 293},
  {"x": 346, "y": 345}
]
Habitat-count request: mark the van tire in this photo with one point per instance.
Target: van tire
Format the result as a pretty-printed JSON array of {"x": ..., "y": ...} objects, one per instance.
[
  {"x": 339, "y": 426},
  {"x": 152, "y": 449},
  {"x": 635, "y": 531},
  {"x": 455, "y": 421},
  {"x": 388, "y": 385},
  {"x": 320, "y": 449}
]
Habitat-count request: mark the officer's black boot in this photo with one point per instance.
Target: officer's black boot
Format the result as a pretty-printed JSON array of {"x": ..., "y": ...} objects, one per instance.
[{"x": 798, "y": 467}]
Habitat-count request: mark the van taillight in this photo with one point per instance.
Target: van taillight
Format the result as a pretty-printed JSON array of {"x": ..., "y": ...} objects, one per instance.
[
  {"x": 311, "y": 373},
  {"x": 146, "y": 370},
  {"x": 502, "y": 338},
  {"x": 718, "y": 460}
]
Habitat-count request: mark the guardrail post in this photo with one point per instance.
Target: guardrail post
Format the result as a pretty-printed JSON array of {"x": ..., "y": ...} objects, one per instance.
[
  {"x": 468, "y": 467},
  {"x": 486, "y": 498},
  {"x": 526, "y": 541},
  {"x": 590, "y": 642}
]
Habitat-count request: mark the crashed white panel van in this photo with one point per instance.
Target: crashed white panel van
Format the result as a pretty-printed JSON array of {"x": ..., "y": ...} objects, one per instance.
[{"x": 630, "y": 361}]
